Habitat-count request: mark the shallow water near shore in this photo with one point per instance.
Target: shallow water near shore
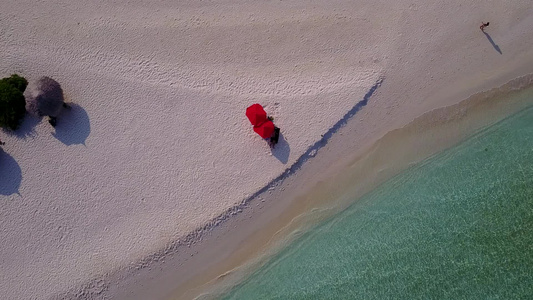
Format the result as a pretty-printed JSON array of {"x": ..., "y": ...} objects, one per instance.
[{"x": 459, "y": 224}]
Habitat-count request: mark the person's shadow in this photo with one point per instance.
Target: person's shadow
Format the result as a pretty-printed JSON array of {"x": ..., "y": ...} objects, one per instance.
[
  {"x": 10, "y": 174},
  {"x": 492, "y": 42},
  {"x": 73, "y": 125},
  {"x": 282, "y": 150}
]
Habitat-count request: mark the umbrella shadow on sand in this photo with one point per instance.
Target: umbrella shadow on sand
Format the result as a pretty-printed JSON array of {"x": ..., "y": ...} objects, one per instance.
[
  {"x": 73, "y": 126},
  {"x": 282, "y": 150},
  {"x": 10, "y": 174}
]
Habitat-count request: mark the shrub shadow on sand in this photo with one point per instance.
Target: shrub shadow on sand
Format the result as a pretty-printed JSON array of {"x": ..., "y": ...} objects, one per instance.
[
  {"x": 26, "y": 128},
  {"x": 73, "y": 126},
  {"x": 10, "y": 174},
  {"x": 282, "y": 150}
]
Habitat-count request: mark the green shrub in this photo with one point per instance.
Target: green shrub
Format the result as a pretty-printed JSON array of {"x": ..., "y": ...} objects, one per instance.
[
  {"x": 18, "y": 82},
  {"x": 12, "y": 102}
]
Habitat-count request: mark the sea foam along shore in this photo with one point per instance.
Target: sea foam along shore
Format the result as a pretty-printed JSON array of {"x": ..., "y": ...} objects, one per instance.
[
  {"x": 153, "y": 170},
  {"x": 157, "y": 143},
  {"x": 322, "y": 187}
]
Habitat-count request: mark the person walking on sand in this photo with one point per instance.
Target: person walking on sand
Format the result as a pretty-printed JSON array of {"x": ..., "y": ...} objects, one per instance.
[{"x": 483, "y": 25}]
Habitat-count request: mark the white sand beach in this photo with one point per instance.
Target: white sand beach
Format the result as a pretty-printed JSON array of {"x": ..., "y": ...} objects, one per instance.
[{"x": 157, "y": 145}]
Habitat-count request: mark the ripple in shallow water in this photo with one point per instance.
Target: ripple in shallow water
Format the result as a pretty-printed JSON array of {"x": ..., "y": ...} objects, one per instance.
[{"x": 459, "y": 225}]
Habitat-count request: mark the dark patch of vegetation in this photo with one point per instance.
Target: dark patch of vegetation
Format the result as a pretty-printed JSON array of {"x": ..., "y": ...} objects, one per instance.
[{"x": 12, "y": 102}]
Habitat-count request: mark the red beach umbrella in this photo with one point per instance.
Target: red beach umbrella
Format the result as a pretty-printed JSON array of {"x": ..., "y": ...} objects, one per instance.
[
  {"x": 256, "y": 114},
  {"x": 265, "y": 130}
]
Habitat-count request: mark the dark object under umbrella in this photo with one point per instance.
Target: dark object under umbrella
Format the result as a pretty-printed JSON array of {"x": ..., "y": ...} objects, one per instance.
[
  {"x": 45, "y": 98},
  {"x": 275, "y": 136}
]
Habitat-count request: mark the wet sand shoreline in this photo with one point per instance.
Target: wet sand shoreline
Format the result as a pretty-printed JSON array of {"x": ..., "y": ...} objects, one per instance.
[
  {"x": 149, "y": 187},
  {"x": 244, "y": 241}
]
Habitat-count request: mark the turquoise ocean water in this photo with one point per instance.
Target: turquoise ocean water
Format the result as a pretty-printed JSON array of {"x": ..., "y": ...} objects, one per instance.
[{"x": 457, "y": 226}]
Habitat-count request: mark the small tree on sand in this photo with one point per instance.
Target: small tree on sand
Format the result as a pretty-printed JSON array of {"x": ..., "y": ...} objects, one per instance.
[{"x": 12, "y": 102}]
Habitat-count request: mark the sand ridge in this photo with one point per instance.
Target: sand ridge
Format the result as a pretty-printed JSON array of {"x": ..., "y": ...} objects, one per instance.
[{"x": 159, "y": 144}]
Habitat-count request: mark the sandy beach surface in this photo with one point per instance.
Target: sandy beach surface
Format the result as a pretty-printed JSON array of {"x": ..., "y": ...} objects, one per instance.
[{"x": 156, "y": 153}]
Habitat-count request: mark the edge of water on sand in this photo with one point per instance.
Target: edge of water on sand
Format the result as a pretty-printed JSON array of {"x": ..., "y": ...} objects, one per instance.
[
  {"x": 395, "y": 152},
  {"x": 241, "y": 240}
]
